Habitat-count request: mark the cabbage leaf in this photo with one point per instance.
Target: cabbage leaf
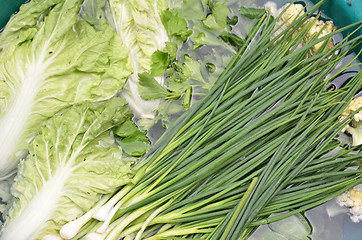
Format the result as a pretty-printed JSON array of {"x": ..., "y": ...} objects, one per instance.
[
  {"x": 295, "y": 227},
  {"x": 72, "y": 162},
  {"x": 50, "y": 59},
  {"x": 140, "y": 27}
]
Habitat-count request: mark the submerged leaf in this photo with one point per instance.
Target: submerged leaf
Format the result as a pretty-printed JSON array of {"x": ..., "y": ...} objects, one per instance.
[
  {"x": 232, "y": 39},
  {"x": 174, "y": 25},
  {"x": 162, "y": 59},
  {"x": 150, "y": 89},
  {"x": 295, "y": 227},
  {"x": 252, "y": 13},
  {"x": 133, "y": 142},
  {"x": 218, "y": 20}
]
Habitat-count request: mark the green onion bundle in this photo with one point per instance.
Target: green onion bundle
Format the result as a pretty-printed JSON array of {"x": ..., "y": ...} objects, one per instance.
[{"x": 262, "y": 141}]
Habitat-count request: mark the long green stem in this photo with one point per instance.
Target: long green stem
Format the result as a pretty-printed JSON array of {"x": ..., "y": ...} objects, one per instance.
[{"x": 238, "y": 209}]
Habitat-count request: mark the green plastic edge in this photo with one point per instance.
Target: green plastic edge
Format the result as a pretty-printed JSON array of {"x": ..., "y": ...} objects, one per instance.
[
  {"x": 8, "y": 8},
  {"x": 343, "y": 13}
]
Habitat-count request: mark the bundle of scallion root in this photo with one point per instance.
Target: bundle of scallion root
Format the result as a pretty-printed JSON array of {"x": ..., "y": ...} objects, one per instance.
[{"x": 262, "y": 141}]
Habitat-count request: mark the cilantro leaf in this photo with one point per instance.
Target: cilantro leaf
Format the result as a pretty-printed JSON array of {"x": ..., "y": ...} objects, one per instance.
[
  {"x": 218, "y": 20},
  {"x": 134, "y": 142},
  {"x": 187, "y": 97},
  {"x": 232, "y": 39},
  {"x": 174, "y": 25},
  {"x": 162, "y": 59},
  {"x": 150, "y": 89},
  {"x": 252, "y": 13}
]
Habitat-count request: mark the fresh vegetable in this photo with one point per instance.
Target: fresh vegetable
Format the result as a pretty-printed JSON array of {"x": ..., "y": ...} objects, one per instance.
[
  {"x": 295, "y": 227},
  {"x": 140, "y": 26},
  {"x": 252, "y": 13},
  {"x": 167, "y": 60},
  {"x": 74, "y": 162},
  {"x": 255, "y": 145},
  {"x": 193, "y": 60},
  {"x": 353, "y": 197},
  {"x": 354, "y": 127},
  {"x": 50, "y": 60},
  {"x": 353, "y": 200},
  {"x": 290, "y": 12},
  {"x": 81, "y": 59}
]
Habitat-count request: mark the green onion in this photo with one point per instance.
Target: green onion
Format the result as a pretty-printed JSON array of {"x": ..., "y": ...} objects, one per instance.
[{"x": 268, "y": 117}]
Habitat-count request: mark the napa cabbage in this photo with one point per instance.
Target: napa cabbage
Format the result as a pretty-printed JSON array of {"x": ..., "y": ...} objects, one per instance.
[
  {"x": 163, "y": 38},
  {"x": 51, "y": 59},
  {"x": 139, "y": 25},
  {"x": 73, "y": 161}
]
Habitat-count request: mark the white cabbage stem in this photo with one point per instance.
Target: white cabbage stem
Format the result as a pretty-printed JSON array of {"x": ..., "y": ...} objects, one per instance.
[
  {"x": 13, "y": 121},
  {"x": 39, "y": 210}
]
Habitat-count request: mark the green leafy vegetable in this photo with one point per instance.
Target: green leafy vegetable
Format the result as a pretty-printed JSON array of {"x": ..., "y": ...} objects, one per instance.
[
  {"x": 134, "y": 142},
  {"x": 170, "y": 63},
  {"x": 218, "y": 19},
  {"x": 232, "y": 39},
  {"x": 139, "y": 25},
  {"x": 174, "y": 25},
  {"x": 163, "y": 59},
  {"x": 193, "y": 10},
  {"x": 160, "y": 62},
  {"x": 61, "y": 61},
  {"x": 127, "y": 129},
  {"x": 187, "y": 98},
  {"x": 252, "y": 13},
  {"x": 150, "y": 89},
  {"x": 255, "y": 145},
  {"x": 73, "y": 161}
]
